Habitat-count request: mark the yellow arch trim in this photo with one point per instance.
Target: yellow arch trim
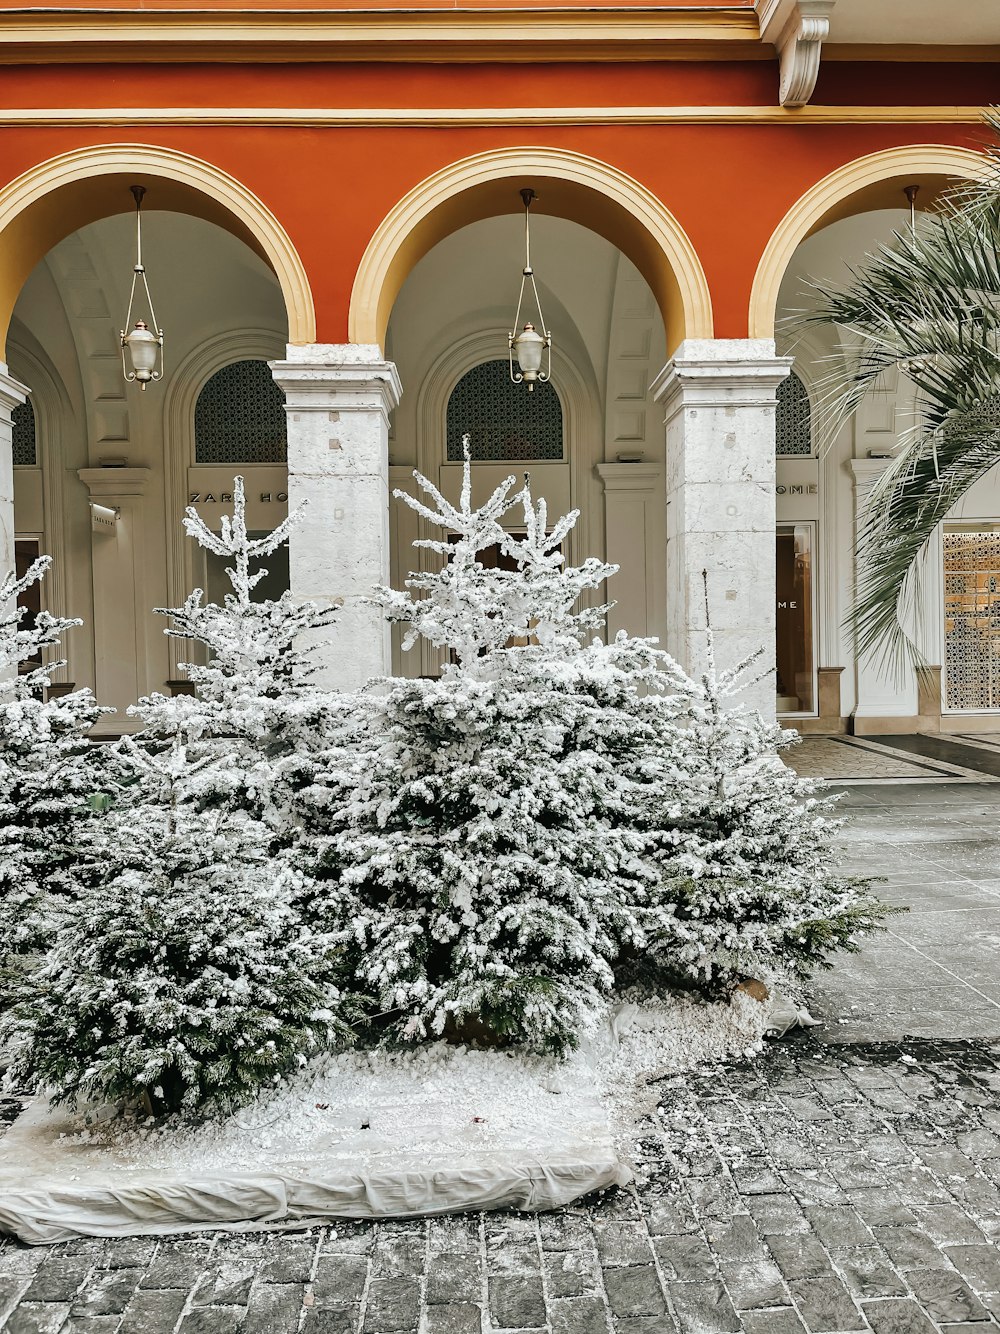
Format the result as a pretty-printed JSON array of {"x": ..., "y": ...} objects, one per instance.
[
  {"x": 870, "y": 182},
  {"x": 569, "y": 185},
  {"x": 56, "y": 197}
]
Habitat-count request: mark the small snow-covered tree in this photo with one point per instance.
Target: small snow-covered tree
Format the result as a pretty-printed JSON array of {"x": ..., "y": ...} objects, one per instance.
[
  {"x": 256, "y": 702},
  {"x": 487, "y": 834},
  {"x": 47, "y": 771},
  {"x": 186, "y": 979},
  {"x": 745, "y": 847}
]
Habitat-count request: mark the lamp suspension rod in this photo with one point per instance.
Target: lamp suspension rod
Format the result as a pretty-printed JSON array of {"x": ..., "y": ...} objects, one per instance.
[{"x": 911, "y": 192}]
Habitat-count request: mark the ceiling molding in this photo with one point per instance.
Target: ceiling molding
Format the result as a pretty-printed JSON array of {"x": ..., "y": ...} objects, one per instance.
[
  {"x": 523, "y": 35},
  {"x": 797, "y": 29},
  {"x": 444, "y": 117}
]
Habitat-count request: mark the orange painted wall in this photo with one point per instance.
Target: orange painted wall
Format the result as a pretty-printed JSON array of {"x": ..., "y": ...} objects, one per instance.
[{"x": 728, "y": 185}]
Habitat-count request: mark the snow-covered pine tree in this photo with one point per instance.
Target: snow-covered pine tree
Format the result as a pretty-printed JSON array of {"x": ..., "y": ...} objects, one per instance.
[
  {"x": 488, "y": 836},
  {"x": 47, "y": 771},
  {"x": 185, "y": 980},
  {"x": 745, "y": 847},
  {"x": 256, "y": 701}
]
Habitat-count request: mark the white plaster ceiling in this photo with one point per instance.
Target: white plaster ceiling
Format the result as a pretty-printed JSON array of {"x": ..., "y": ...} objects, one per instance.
[{"x": 937, "y": 22}]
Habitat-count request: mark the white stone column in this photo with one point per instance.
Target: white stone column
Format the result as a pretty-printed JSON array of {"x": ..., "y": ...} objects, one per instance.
[
  {"x": 122, "y": 611},
  {"x": 635, "y": 534},
  {"x": 12, "y": 392},
  {"x": 719, "y": 401},
  {"x": 338, "y": 398}
]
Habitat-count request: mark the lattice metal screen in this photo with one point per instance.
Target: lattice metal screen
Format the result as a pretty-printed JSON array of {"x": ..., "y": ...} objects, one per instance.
[
  {"x": 504, "y": 421},
  {"x": 240, "y": 417},
  {"x": 25, "y": 449},
  {"x": 972, "y": 620},
  {"x": 793, "y": 426}
]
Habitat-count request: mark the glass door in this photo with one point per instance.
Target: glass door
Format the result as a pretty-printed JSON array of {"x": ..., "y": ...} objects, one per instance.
[{"x": 795, "y": 619}]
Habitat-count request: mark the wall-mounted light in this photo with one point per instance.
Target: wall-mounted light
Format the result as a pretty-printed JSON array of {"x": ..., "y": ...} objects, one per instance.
[
  {"x": 142, "y": 344},
  {"x": 528, "y": 345}
]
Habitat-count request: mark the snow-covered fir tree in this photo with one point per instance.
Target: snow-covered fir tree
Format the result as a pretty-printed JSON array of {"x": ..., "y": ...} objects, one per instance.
[
  {"x": 47, "y": 772},
  {"x": 185, "y": 980},
  {"x": 256, "y": 703},
  {"x": 487, "y": 831},
  {"x": 745, "y": 847}
]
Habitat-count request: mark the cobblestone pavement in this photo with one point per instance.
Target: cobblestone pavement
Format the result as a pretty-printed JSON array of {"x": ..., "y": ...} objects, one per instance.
[{"x": 847, "y": 1181}]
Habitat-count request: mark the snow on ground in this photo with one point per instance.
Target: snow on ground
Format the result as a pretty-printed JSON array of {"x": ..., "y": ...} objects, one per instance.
[{"x": 436, "y": 1115}]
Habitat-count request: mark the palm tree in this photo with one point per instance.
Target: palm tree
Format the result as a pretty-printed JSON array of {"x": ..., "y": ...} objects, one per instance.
[{"x": 927, "y": 304}]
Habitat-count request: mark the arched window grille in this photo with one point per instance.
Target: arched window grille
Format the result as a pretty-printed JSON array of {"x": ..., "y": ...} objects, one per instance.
[
  {"x": 240, "y": 417},
  {"x": 793, "y": 426},
  {"x": 25, "y": 447},
  {"x": 504, "y": 422}
]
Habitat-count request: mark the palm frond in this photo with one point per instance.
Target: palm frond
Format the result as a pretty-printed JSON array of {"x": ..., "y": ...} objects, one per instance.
[{"x": 926, "y": 306}]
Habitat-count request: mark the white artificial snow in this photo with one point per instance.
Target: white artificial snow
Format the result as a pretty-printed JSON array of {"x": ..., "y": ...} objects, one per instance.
[{"x": 435, "y": 1115}]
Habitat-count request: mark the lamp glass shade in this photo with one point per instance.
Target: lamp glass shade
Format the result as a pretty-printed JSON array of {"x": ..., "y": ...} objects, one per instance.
[
  {"x": 142, "y": 348},
  {"x": 528, "y": 347}
]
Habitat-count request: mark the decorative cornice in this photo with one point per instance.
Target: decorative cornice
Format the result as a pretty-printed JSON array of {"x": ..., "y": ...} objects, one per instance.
[
  {"x": 798, "y": 29},
  {"x": 473, "y": 117},
  {"x": 522, "y": 35}
]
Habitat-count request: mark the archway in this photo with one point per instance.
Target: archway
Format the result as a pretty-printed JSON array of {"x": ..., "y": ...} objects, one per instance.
[
  {"x": 58, "y": 197},
  {"x": 570, "y": 186},
  {"x": 865, "y": 185}
]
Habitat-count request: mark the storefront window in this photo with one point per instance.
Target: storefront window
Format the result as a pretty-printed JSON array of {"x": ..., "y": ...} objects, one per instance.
[
  {"x": 972, "y": 619},
  {"x": 795, "y": 630}
]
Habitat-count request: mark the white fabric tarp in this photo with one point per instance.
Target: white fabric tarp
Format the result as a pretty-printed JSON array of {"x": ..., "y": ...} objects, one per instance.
[{"x": 361, "y": 1137}]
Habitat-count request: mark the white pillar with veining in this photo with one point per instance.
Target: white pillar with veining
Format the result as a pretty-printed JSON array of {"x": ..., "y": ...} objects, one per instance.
[
  {"x": 719, "y": 397},
  {"x": 338, "y": 398}
]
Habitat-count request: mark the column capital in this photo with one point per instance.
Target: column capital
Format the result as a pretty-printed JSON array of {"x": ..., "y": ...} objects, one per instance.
[
  {"x": 719, "y": 372},
  {"x": 318, "y": 377},
  {"x": 114, "y": 483},
  {"x": 12, "y": 392},
  {"x": 631, "y": 476}
]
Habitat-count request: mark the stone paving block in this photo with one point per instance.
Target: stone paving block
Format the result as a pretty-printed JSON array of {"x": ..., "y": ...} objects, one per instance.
[
  {"x": 563, "y": 1232},
  {"x": 645, "y": 1324},
  {"x": 90, "y": 1324},
  {"x": 634, "y": 1291},
  {"x": 289, "y": 1263},
  {"x": 339, "y": 1279},
  {"x": 908, "y": 1247},
  {"x": 948, "y": 1225},
  {"x": 867, "y": 1273},
  {"x": 517, "y": 1302},
  {"x": 58, "y": 1279},
  {"x": 737, "y": 1239},
  {"x": 897, "y": 1317},
  {"x": 462, "y": 1318},
  {"x": 686, "y": 1257},
  {"x": 825, "y": 1304},
  {"x": 755, "y": 1284},
  {"x": 838, "y": 1226},
  {"x": 225, "y": 1285},
  {"x": 801, "y": 1255},
  {"x": 349, "y": 1241},
  {"x": 274, "y": 1308},
  {"x": 173, "y": 1269},
  {"x": 570, "y": 1273},
  {"x": 393, "y": 1305},
  {"x": 153, "y": 1311},
  {"x": 978, "y": 1265},
  {"x": 703, "y": 1308},
  {"x": 513, "y": 1258},
  {"x": 784, "y": 1321},
  {"x": 212, "y": 1320},
  {"x": 108, "y": 1292},
  {"x": 130, "y": 1253},
  {"x": 399, "y": 1256},
  {"x": 622, "y": 1243},
  {"x": 777, "y": 1214},
  {"x": 37, "y": 1318},
  {"x": 578, "y": 1315},
  {"x": 944, "y": 1295},
  {"x": 452, "y": 1277},
  {"x": 345, "y": 1320}
]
